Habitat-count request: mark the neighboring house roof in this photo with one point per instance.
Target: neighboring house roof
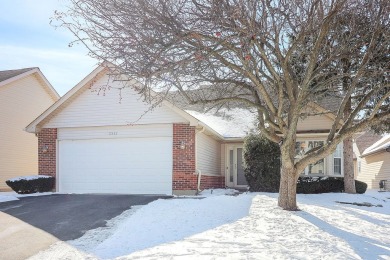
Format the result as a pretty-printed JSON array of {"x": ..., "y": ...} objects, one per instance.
[
  {"x": 381, "y": 145},
  {"x": 8, "y": 76},
  {"x": 366, "y": 140}
]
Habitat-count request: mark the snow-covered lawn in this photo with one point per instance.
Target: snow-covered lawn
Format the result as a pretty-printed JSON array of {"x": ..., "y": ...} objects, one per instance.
[{"x": 248, "y": 226}]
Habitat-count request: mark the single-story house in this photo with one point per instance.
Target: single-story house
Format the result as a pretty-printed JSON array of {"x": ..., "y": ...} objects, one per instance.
[
  {"x": 103, "y": 138},
  {"x": 24, "y": 94},
  {"x": 372, "y": 159}
]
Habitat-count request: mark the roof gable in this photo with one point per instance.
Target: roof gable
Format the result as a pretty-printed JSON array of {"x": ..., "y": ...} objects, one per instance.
[
  {"x": 107, "y": 102},
  {"x": 8, "y": 76},
  {"x": 96, "y": 97}
]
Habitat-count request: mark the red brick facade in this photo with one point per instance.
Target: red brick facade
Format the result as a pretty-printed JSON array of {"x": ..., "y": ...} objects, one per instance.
[
  {"x": 184, "y": 171},
  {"x": 47, "y": 151},
  {"x": 184, "y": 159},
  {"x": 212, "y": 182}
]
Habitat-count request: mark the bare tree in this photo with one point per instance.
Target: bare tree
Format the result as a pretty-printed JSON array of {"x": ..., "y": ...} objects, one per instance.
[{"x": 273, "y": 56}]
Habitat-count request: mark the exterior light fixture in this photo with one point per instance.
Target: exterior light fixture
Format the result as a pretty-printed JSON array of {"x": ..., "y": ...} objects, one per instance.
[
  {"x": 182, "y": 145},
  {"x": 45, "y": 149}
]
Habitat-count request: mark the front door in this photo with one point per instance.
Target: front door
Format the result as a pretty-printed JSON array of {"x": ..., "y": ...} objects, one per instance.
[{"x": 235, "y": 176}]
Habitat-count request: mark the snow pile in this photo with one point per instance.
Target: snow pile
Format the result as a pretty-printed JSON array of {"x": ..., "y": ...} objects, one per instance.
[
  {"x": 235, "y": 122},
  {"x": 221, "y": 227},
  {"x": 29, "y": 178}
]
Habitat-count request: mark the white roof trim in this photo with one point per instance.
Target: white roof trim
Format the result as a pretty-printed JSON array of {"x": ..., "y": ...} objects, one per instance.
[
  {"x": 52, "y": 91},
  {"x": 31, "y": 128},
  {"x": 378, "y": 146}
]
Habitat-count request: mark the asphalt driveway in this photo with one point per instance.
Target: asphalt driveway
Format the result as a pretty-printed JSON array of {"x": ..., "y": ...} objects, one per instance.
[{"x": 69, "y": 216}]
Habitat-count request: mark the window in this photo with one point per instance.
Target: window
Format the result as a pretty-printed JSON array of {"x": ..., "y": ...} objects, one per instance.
[
  {"x": 337, "y": 160},
  {"x": 231, "y": 169},
  {"x": 318, "y": 167},
  {"x": 301, "y": 147},
  {"x": 359, "y": 166}
]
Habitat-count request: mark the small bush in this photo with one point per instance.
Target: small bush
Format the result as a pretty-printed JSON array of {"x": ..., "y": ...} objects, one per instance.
[
  {"x": 262, "y": 164},
  {"x": 313, "y": 185},
  {"x": 31, "y": 184},
  {"x": 361, "y": 187}
]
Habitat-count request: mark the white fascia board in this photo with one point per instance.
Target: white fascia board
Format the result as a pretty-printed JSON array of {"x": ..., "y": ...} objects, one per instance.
[
  {"x": 51, "y": 89},
  {"x": 32, "y": 127}
]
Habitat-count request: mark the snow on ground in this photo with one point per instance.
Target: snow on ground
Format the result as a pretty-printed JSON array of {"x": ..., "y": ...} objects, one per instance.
[
  {"x": 11, "y": 195},
  {"x": 247, "y": 226},
  {"x": 235, "y": 122},
  {"x": 8, "y": 196}
]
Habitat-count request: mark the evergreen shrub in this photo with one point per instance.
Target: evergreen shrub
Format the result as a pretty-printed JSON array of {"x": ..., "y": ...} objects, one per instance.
[
  {"x": 262, "y": 171},
  {"x": 31, "y": 184},
  {"x": 262, "y": 164}
]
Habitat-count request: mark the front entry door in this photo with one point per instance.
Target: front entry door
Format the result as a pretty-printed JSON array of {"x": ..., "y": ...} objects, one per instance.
[{"x": 235, "y": 166}]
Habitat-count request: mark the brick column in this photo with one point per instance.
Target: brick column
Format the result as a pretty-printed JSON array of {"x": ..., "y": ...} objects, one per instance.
[
  {"x": 184, "y": 178},
  {"x": 47, "y": 159}
]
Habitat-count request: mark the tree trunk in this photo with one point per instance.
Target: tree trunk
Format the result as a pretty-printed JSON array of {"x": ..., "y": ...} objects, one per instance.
[
  {"x": 288, "y": 188},
  {"x": 349, "y": 176}
]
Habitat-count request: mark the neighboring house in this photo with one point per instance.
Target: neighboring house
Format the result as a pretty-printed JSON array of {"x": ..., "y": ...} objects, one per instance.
[
  {"x": 372, "y": 159},
  {"x": 99, "y": 138},
  {"x": 24, "y": 94}
]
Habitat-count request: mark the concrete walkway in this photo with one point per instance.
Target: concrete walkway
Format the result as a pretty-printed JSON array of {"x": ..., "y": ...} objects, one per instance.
[{"x": 20, "y": 240}]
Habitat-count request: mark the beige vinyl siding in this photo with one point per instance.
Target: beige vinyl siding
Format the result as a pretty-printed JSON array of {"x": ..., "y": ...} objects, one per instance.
[
  {"x": 374, "y": 168},
  {"x": 223, "y": 159},
  {"x": 21, "y": 101},
  {"x": 208, "y": 154},
  {"x": 110, "y": 107},
  {"x": 320, "y": 122}
]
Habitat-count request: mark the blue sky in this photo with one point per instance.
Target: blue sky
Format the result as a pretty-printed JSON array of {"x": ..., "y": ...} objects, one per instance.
[{"x": 28, "y": 40}]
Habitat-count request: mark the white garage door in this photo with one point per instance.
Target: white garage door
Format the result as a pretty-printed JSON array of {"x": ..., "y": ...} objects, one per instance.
[{"x": 120, "y": 165}]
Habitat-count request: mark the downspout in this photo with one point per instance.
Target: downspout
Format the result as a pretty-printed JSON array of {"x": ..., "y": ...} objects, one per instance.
[
  {"x": 199, "y": 177},
  {"x": 197, "y": 170}
]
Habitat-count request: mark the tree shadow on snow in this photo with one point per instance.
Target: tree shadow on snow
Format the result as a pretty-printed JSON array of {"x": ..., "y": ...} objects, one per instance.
[{"x": 365, "y": 247}]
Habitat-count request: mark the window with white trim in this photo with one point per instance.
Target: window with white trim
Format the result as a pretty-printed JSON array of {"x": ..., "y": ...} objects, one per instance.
[
  {"x": 317, "y": 168},
  {"x": 359, "y": 166},
  {"x": 301, "y": 147},
  {"x": 337, "y": 154}
]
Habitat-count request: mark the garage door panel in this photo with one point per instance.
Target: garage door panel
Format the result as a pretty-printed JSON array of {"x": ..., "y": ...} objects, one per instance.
[
  {"x": 116, "y": 176},
  {"x": 126, "y": 165}
]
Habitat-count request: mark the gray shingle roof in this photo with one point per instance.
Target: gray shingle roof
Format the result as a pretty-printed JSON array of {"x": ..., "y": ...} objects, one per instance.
[
  {"x": 7, "y": 74},
  {"x": 366, "y": 140},
  {"x": 331, "y": 103}
]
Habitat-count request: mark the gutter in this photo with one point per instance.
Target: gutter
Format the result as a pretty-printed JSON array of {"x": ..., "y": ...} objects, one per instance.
[{"x": 384, "y": 149}]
